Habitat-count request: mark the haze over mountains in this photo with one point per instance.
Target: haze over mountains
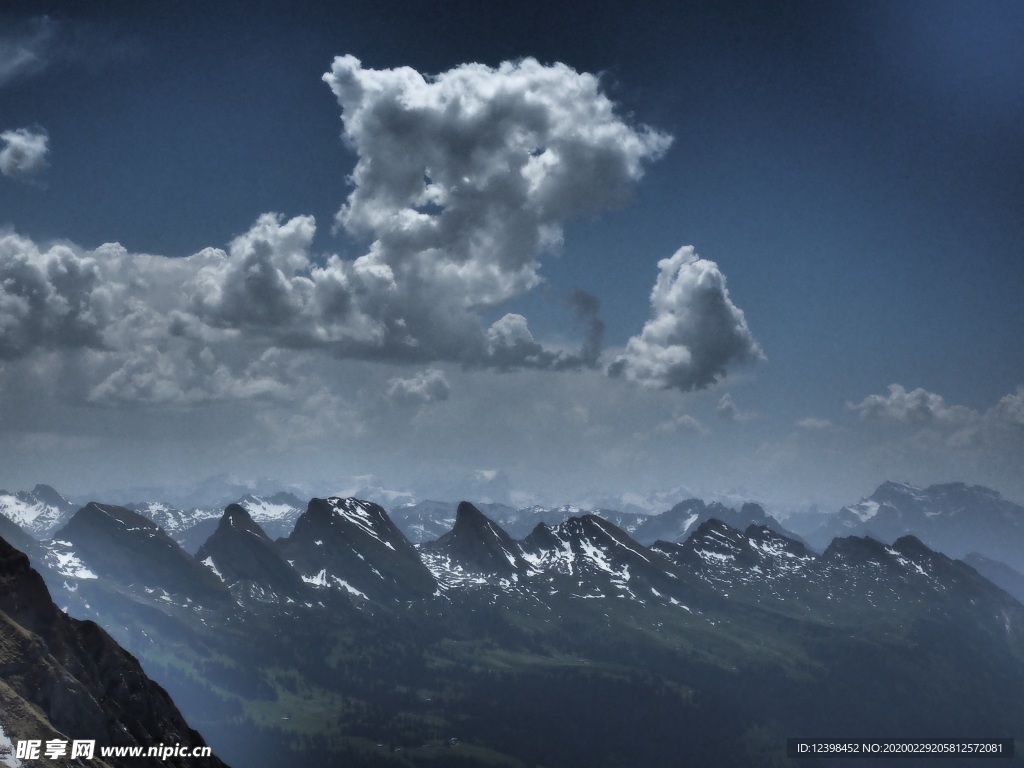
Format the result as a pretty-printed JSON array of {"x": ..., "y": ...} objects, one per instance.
[{"x": 344, "y": 637}]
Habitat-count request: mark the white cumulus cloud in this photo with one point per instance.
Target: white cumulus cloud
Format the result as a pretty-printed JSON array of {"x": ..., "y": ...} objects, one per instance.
[
  {"x": 1009, "y": 411},
  {"x": 463, "y": 181},
  {"x": 917, "y": 406},
  {"x": 53, "y": 298},
  {"x": 24, "y": 153},
  {"x": 695, "y": 330}
]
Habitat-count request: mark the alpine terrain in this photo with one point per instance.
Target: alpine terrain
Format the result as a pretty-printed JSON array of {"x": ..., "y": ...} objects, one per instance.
[{"x": 704, "y": 635}]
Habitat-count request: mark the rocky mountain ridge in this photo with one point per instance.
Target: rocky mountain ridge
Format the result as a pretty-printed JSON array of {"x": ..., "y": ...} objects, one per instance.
[
  {"x": 62, "y": 678},
  {"x": 344, "y": 626}
]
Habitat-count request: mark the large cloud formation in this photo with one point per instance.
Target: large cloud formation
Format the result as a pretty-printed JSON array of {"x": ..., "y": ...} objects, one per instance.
[
  {"x": 694, "y": 332},
  {"x": 50, "y": 299},
  {"x": 463, "y": 180},
  {"x": 462, "y": 183}
]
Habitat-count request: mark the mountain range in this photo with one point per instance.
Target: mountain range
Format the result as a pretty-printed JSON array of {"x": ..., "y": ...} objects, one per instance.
[
  {"x": 954, "y": 518},
  {"x": 342, "y": 641}
]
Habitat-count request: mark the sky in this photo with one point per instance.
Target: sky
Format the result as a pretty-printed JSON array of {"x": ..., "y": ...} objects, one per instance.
[{"x": 521, "y": 252}]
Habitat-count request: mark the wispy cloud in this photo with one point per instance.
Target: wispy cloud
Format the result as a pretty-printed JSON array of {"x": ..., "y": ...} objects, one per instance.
[
  {"x": 728, "y": 410},
  {"x": 812, "y": 424},
  {"x": 682, "y": 422},
  {"x": 26, "y": 48}
]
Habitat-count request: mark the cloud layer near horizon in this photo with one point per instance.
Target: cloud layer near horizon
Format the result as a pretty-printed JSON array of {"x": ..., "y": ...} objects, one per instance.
[
  {"x": 998, "y": 430},
  {"x": 462, "y": 183}
]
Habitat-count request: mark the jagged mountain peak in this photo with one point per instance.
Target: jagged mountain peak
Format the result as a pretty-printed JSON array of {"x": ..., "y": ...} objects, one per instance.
[
  {"x": 467, "y": 510},
  {"x": 589, "y": 526},
  {"x": 898, "y": 487},
  {"x": 717, "y": 542},
  {"x": 934, "y": 497},
  {"x": 95, "y": 513},
  {"x": 353, "y": 545},
  {"x": 688, "y": 505},
  {"x": 238, "y": 518},
  {"x": 585, "y": 540},
  {"x": 361, "y": 518},
  {"x": 249, "y": 563},
  {"x": 232, "y": 510},
  {"x": 133, "y": 551},
  {"x": 38, "y": 512},
  {"x": 48, "y": 494},
  {"x": 910, "y": 544},
  {"x": 542, "y": 537},
  {"x": 475, "y": 544},
  {"x": 954, "y": 518},
  {"x": 753, "y": 509},
  {"x": 722, "y": 554},
  {"x": 471, "y": 522}
]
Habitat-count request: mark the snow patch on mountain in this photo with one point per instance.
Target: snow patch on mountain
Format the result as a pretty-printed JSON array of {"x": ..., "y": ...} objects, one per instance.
[
  {"x": 208, "y": 562},
  {"x": 67, "y": 562},
  {"x": 364, "y": 515},
  {"x": 325, "y": 580},
  {"x": 39, "y": 512},
  {"x": 865, "y": 510},
  {"x": 449, "y": 574},
  {"x": 7, "y": 751}
]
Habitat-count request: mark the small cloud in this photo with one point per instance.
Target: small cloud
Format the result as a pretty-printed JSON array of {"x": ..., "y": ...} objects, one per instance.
[
  {"x": 812, "y": 424},
  {"x": 727, "y": 410},
  {"x": 429, "y": 386},
  {"x": 24, "y": 153},
  {"x": 1009, "y": 411},
  {"x": 48, "y": 299},
  {"x": 695, "y": 330},
  {"x": 682, "y": 422}
]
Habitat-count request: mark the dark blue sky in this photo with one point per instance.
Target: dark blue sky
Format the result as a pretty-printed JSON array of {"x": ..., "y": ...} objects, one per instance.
[{"x": 854, "y": 170}]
